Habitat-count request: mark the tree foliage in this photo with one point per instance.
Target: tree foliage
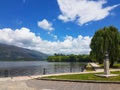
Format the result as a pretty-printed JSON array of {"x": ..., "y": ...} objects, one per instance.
[
  {"x": 68, "y": 58},
  {"x": 105, "y": 39}
]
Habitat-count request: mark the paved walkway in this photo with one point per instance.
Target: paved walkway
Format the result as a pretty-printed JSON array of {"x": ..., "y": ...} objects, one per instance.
[
  {"x": 14, "y": 85},
  {"x": 55, "y": 85}
]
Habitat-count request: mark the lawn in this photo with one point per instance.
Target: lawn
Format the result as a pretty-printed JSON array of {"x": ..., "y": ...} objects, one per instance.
[
  {"x": 89, "y": 76},
  {"x": 116, "y": 65}
]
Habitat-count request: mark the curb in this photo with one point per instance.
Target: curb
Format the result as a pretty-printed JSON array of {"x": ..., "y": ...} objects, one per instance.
[{"x": 81, "y": 81}]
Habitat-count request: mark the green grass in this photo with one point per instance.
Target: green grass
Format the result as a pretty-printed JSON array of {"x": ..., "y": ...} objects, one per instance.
[
  {"x": 116, "y": 65},
  {"x": 90, "y": 76}
]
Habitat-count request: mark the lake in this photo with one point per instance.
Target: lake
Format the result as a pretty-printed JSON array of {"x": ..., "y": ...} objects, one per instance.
[{"x": 24, "y": 68}]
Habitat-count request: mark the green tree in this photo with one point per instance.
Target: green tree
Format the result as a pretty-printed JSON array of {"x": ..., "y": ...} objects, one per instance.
[
  {"x": 72, "y": 58},
  {"x": 106, "y": 39}
]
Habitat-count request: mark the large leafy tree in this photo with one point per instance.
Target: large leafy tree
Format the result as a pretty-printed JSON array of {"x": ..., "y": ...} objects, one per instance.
[{"x": 105, "y": 39}]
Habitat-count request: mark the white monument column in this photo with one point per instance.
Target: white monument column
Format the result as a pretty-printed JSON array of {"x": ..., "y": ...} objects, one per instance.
[
  {"x": 106, "y": 64},
  {"x": 106, "y": 67}
]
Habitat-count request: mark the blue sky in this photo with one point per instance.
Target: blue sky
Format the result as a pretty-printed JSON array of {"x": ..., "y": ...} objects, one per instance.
[{"x": 55, "y": 26}]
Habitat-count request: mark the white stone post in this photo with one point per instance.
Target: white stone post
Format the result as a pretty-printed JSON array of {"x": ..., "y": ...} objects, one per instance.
[
  {"x": 106, "y": 64},
  {"x": 106, "y": 67}
]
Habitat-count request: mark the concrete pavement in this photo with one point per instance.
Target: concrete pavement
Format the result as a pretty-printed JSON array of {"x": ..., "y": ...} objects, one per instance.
[
  {"x": 14, "y": 85},
  {"x": 55, "y": 85}
]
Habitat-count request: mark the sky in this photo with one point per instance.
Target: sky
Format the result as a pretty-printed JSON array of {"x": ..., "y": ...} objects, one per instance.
[{"x": 56, "y": 26}]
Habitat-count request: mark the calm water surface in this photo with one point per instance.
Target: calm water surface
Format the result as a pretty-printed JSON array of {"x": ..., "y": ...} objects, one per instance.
[{"x": 38, "y": 68}]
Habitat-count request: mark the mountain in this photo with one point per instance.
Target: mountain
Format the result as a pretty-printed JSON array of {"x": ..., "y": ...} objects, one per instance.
[{"x": 13, "y": 53}]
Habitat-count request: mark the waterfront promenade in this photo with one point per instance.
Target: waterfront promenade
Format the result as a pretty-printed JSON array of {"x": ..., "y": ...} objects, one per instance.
[
  {"x": 29, "y": 83},
  {"x": 55, "y": 85}
]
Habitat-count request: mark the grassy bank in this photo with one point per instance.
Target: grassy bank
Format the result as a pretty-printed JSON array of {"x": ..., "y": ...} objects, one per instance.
[
  {"x": 89, "y": 76},
  {"x": 116, "y": 65}
]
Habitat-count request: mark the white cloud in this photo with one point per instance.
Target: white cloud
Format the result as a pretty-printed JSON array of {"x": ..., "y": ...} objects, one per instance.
[
  {"x": 25, "y": 38},
  {"x": 55, "y": 37},
  {"x": 44, "y": 24},
  {"x": 83, "y": 11}
]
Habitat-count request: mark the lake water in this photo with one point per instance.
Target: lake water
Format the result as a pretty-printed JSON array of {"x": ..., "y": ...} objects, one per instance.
[{"x": 38, "y": 68}]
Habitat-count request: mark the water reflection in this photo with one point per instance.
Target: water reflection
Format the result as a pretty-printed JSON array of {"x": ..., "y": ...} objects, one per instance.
[{"x": 38, "y": 68}]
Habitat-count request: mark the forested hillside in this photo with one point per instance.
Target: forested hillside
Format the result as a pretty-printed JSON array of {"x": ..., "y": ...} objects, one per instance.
[{"x": 13, "y": 53}]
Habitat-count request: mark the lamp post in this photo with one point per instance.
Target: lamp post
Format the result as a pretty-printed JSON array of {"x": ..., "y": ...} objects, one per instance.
[{"x": 106, "y": 64}]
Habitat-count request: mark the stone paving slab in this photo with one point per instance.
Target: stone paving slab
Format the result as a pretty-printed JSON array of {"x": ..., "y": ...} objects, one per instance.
[
  {"x": 10, "y": 85},
  {"x": 20, "y": 78},
  {"x": 55, "y": 85}
]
